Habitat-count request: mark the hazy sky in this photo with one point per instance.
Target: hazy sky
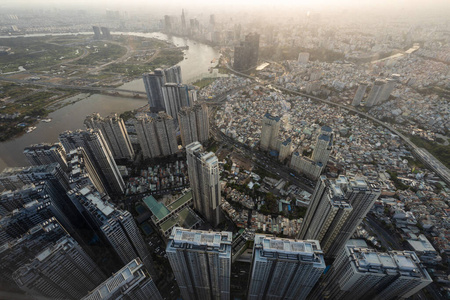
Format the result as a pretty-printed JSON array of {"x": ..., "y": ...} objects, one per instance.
[
  {"x": 240, "y": 2},
  {"x": 438, "y": 5}
]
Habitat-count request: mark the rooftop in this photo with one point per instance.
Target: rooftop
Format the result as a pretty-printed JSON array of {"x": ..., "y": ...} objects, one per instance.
[
  {"x": 157, "y": 209},
  {"x": 180, "y": 201},
  {"x": 117, "y": 281},
  {"x": 199, "y": 237},
  {"x": 186, "y": 218}
]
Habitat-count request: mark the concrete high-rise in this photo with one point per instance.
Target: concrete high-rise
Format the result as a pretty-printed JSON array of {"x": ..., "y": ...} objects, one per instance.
[
  {"x": 97, "y": 32},
  {"x": 173, "y": 74},
  {"x": 306, "y": 166},
  {"x": 24, "y": 185},
  {"x": 285, "y": 149},
  {"x": 312, "y": 167},
  {"x": 106, "y": 32},
  {"x": 11, "y": 200},
  {"x": 115, "y": 134},
  {"x": 269, "y": 132},
  {"x": 130, "y": 282},
  {"x": 61, "y": 271},
  {"x": 17, "y": 177},
  {"x": 284, "y": 269},
  {"x": 327, "y": 213},
  {"x": 360, "y": 92},
  {"x": 387, "y": 90},
  {"x": 153, "y": 83},
  {"x": 167, "y": 24},
  {"x": 361, "y": 195},
  {"x": 45, "y": 154},
  {"x": 303, "y": 58},
  {"x": 203, "y": 170},
  {"x": 246, "y": 55},
  {"x": 16, "y": 223},
  {"x": 175, "y": 96},
  {"x": 324, "y": 145},
  {"x": 156, "y": 136},
  {"x": 35, "y": 240},
  {"x": 375, "y": 93},
  {"x": 363, "y": 273},
  {"x": 201, "y": 263},
  {"x": 194, "y": 124},
  {"x": 336, "y": 208},
  {"x": 100, "y": 155},
  {"x": 184, "y": 30},
  {"x": 82, "y": 171},
  {"x": 114, "y": 226}
]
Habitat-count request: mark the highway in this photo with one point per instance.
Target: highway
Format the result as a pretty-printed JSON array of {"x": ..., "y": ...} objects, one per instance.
[
  {"x": 423, "y": 155},
  {"x": 258, "y": 158},
  {"x": 73, "y": 87},
  {"x": 387, "y": 239}
]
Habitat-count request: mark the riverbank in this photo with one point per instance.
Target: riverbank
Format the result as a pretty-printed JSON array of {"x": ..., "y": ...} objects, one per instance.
[{"x": 70, "y": 117}]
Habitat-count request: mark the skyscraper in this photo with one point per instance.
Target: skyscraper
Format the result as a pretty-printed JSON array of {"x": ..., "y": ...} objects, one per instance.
[
  {"x": 312, "y": 167},
  {"x": 18, "y": 222},
  {"x": 167, "y": 24},
  {"x": 303, "y": 58},
  {"x": 375, "y": 93},
  {"x": 82, "y": 171},
  {"x": 324, "y": 145},
  {"x": 285, "y": 149},
  {"x": 97, "y": 33},
  {"x": 106, "y": 32},
  {"x": 115, "y": 134},
  {"x": 194, "y": 124},
  {"x": 153, "y": 83},
  {"x": 246, "y": 55},
  {"x": 387, "y": 90},
  {"x": 203, "y": 169},
  {"x": 336, "y": 208},
  {"x": 360, "y": 92},
  {"x": 306, "y": 166},
  {"x": 284, "y": 268},
  {"x": 32, "y": 183},
  {"x": 45, "y": 154},
  {"x": 61, "y": 271},
  {"x": 156, "y": 135},
  {"x": 17, "y": 177},
  {"x": 99, "y": 154},
  {"x": 130, "y": 282},
  {"x": 201, "y": 263},
  {"x": 37, "y": 239},
  {"x": 269, "y": 132},
  {"x": 115, "y": 226},
  {"x": 363, "y": 273},
  {"x": 183, "y": 23},
  {"x": 325, "y": 219},
  {"x": 361, "y": 196},
  {"x": 176, "y": 96},
  {"x": 173, "y": 74}
]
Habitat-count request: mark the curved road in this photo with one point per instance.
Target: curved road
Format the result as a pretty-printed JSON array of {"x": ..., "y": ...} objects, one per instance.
[{"x": 427, "y": 158}]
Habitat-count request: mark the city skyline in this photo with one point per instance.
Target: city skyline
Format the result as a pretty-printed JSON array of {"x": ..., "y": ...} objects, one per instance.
[{"x": 229, "y": 150}]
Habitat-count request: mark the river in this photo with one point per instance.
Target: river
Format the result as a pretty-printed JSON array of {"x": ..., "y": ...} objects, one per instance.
[{"x": 71, "y": 117}]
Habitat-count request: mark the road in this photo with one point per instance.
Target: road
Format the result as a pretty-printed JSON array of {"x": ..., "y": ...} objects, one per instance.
[
  {"x": 387, "y": 239},
  {"x": 258, "y": 158},
  {"x": 73, "y": 87},
  {"x": 427, "y": 158}
]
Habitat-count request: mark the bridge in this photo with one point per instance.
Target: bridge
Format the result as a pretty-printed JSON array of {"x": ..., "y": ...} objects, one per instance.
[{"x": 74, "y": 87}]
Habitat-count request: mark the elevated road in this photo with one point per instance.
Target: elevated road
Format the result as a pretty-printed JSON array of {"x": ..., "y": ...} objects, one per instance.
[
  {"x": 74, "y": 87},
  {"x": 257, "y": 157},
  {"x": 423, "y": 155}
]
